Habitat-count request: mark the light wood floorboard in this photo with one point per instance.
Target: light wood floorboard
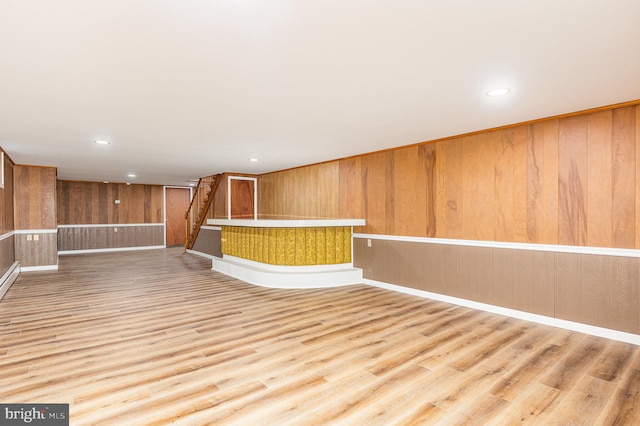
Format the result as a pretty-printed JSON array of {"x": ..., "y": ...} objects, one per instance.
[{"x": 157, "y": 337}]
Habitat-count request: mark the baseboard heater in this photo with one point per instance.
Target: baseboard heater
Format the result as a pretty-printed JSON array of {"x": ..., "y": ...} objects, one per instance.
[{"x": 8, "y": 278}]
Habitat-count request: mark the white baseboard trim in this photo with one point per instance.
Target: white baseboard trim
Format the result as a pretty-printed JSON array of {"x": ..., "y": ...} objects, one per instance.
[
  {"x": 39, "y": 268},
  {"x": 540, "y": 319},
  {"x": 107, "y": 250},
  {"x": 288, "y": 277},
  {"x": 8, "y": 278},
  {"x": 201, "y": 254}
]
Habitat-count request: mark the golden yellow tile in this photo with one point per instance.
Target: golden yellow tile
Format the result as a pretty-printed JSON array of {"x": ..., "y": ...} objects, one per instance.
[
  {"x": 331, "y": 245},
  {"x": 310, "y": 246},
  {"x": 321, "y": 246},
  {"x": 280, "y": 246},
  {"x": 290, "y": 247},
  {"x": 339, "y": 244}
]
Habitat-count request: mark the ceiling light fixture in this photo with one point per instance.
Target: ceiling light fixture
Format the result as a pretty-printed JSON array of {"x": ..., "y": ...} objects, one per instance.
[
  {"x": 101, "y": 142},
  {"x": 498, "y": 92},
  {"x": 253, "y": 160},
  {"x": 131, "y": 175}
]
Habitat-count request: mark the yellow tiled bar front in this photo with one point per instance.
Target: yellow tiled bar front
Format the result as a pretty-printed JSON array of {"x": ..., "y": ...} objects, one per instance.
[{"x": 299, "y": 246}]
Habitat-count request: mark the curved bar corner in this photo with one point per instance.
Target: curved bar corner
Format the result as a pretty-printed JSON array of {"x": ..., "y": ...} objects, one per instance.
[{"x": 288, "y": 253}]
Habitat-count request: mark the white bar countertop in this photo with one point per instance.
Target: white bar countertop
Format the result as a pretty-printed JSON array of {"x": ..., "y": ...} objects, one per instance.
[{"x": 286, "y": 223}]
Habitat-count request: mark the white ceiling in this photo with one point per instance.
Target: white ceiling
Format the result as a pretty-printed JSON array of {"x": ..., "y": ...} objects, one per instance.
[{"x": 188, "y": 88}]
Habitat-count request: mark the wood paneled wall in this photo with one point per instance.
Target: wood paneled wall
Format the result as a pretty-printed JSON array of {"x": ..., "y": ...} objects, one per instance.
[
  {"x": 587, "y": 288},
  {"x": 572, "y": 180},
  {"x": 35, "y": 197},
  {"x": 6, "y": 197},
  {"x": 305, "y": 192},
  {"x": 94, "y": 203},
  {"x": 109, "y": 237}
]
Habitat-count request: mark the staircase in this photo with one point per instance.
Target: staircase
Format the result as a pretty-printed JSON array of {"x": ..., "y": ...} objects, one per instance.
[{"x": 202, "y": 200}]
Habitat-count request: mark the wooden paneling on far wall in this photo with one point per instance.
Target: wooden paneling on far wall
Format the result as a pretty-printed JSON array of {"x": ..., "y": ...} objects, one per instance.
[
  {"x": 571, "y": 181},
  {"x": 94, "y": 203}
]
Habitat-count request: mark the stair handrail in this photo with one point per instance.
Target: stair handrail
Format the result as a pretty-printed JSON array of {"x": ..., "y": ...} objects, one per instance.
[{"x": 192, "y": 232}]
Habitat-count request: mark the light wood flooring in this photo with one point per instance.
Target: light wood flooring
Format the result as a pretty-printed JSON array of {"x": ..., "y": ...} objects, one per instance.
[{"x": 156, "y": 337}]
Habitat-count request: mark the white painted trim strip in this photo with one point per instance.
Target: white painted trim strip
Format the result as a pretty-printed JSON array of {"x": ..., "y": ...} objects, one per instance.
[
  {"x": 540, "y": 319},
  {"x": 211, "y": 228},
  {"x": 7, "y": 235},
  {"x": 285, "y": 269},
  {"x": 38, "y": 268},
  {"x": 9, "y": 278},
  {"x": 36, "y": 231},
  {"x": 109, "y": 225},
  {"x": 201, "y": 254},
  {"x": 301, "y": 279},
  {"x": 106, "y": 250},
  {"x": 517, "y": 246}
]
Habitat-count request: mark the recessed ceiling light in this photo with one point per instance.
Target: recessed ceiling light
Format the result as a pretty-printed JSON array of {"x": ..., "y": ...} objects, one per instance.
[
  {"x": 101, "y": 142},
  {"x": 131, "y": 175},
  {"x": 253, "y": 160},
  {"x": 498, "y": 92}
]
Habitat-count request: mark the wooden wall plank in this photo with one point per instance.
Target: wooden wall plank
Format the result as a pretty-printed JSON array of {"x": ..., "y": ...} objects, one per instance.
[
  {"x": 624, "y": 294},
  {"x": 350, "y": 188},
  {"x": 568, "y": 288},
  {"x": 519, "y": 184},
  {"x": 454, "y": 189},
  {"x": 410, "y": 193},
  {"x": 596, "y": 276},
  {"x": 523, "y": 285},
  {"x": 35, "y": 196},
  {"x": 484, "y": 277},
  {"x": 637, "y": 245},
  {"x": 467, "y": 268},
  {"x": 434, "y": 268},
  {"x": 624, "y": 177},
  {"x": 599, "y": 178},
  {"x": 452, "y": 270},
  {"x": 503, "y": 278},
  {"x": 440, "y": 190},
  {"x": 503, "y": 201},
  {"x": 470, "y": 193},
  {"x": 572, "y": 167},
  {"x": 427, "y": 155},
  {"x": 485, "y": 229},
  {"x": 7, "y": 199}
]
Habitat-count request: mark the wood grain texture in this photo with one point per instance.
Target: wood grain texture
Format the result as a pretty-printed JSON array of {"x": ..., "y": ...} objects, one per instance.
[
  {"x": 572, "y": 181},
  {"x": 94, "y": 203},
  {"x": 6, "y": 198},
  {"x": 177, "y": 204},
  {"x": 109, "y": 237},
  {"x": 242, "y": 199},
  {"x": 40, "y": 252},
  {"x": 7, "y": 253},
  {"x": 591, "y": 289},
  {"x": 637, "y": 185},
  {"x": 624, "y": 177},
  {"x": 156, "y": 337},
  {"x": 35, "y": 197},
  {"x": 599, "y": 188}
]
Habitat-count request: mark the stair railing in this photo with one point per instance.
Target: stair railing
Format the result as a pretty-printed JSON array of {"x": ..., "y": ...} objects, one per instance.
[{"x": 202, "y": 200}]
